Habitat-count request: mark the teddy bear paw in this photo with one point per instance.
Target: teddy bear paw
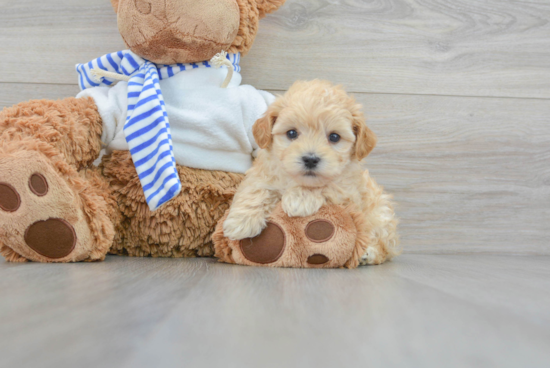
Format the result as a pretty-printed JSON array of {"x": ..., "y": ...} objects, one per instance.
[
  {"x": 40, "y": 215},
  {"x": 324, "y": 240}
]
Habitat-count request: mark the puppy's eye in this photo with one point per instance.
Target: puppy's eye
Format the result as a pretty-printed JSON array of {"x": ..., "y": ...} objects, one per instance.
[
  {"x": 292, "y": 134},
  {"x": 334, "y": 138}
]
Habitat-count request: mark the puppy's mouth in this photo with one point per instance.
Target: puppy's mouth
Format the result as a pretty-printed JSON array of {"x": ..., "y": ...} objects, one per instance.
[{"x": 311, "y": 178}]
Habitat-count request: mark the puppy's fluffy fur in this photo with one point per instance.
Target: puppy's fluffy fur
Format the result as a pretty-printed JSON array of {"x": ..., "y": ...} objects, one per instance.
[{"x": 283, "y": 173}]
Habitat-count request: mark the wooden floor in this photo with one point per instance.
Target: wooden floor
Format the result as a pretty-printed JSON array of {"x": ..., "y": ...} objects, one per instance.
[
  {"x": 458, "y": 92},
  {"x": 418, "y": 311}
]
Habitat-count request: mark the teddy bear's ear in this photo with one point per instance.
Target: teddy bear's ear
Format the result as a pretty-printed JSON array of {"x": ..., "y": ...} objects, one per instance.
[
  {"x": 267, "y": 6},
  {"x": 114, "y": 3}
]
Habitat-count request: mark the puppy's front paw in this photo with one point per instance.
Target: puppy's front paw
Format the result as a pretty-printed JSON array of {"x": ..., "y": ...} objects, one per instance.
[
  {"x": 302, "y": 204},
  {"x": 242, "y": 227},
  {"x": 372, "y": 256}
]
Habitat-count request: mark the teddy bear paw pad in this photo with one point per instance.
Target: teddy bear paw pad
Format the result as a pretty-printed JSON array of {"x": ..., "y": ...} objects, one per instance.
[
  {"x": 317, "y": 259},
  {"x": 265, "y": 248},
  {"x": 320, "y": 231},
  {"x": 38, "y": 184},
  {"x": 41, "y": 218},
  {"x": 52, "y": 238},
  {"x": 9, "y": 198}
]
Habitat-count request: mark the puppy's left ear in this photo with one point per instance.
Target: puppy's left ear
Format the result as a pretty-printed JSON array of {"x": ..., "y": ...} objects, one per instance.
[
  {"x": 263, "y": 127},
  {"x": 268, "y": 6},
  {"x": 365, "y": 139}
]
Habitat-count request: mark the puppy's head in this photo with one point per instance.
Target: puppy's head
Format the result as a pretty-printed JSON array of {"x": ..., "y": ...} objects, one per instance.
[{"x": 315, "y": 130}]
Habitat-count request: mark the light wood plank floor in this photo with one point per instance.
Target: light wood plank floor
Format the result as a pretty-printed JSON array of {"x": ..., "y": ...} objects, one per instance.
[
  {"x": 417, "y": 311},
  {"x": 458, "y": 92}
]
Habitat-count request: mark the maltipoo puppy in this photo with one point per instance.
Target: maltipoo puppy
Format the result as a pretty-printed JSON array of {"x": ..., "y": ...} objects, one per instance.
[{"x": 312, "y": 142}]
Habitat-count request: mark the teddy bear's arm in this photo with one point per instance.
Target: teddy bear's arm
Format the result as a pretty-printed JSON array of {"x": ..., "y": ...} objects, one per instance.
[{"x": 72, "y": 125}]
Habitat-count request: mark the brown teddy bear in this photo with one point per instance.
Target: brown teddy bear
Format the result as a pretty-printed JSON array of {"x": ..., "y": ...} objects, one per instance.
[{"x": 56, "y": 206}]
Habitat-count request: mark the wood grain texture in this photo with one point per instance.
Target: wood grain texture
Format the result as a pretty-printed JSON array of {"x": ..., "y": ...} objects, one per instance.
[
  {"x": 420, "y": 310},
  {"x": 13, "y": 93},
  {"x": 451, "y": 47},
  {"x": 468, "y": 174},
  {"x": 41, "y": 41}
]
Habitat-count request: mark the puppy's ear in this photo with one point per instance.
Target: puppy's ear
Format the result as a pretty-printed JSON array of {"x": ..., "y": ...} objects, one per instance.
[
  {"x": 268, "y": 6},
  {"x": 365, "y": 139},
  {"x": 262, "y": 129},
  {"x": 114, "y": 3}
]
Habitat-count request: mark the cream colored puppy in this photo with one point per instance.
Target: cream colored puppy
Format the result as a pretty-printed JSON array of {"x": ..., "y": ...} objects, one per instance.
[{"x": 313, "y": 140}]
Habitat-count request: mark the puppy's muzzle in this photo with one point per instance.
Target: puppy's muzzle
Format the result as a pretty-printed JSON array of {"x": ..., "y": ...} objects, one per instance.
[{"x": 311, "y": 161}]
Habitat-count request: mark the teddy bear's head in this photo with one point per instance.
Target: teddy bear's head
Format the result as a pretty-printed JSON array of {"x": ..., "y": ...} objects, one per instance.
[{"x": 187, "y": 31}]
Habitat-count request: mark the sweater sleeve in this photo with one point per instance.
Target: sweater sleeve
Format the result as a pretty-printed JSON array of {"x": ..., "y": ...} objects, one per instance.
[{"x": 112, "y": 106}]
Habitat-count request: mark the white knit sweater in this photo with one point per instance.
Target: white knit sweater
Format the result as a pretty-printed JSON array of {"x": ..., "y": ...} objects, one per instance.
[{"x": 211, "y": 127}]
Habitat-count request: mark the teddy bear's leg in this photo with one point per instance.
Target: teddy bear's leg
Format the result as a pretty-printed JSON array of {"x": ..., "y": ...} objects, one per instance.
[
  {"x": 73, "y": 126},
  {"x": 49, "y": 210},
  {"x": 182, "y": 227},
  {"x": 326, "y": 239}
]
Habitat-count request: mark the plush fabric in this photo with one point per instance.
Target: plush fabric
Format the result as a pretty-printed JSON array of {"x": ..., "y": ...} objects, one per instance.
[
  {"x": 73, "y": 126},
  {"x": 105, "y": 205},
  {"x": 211, "y": 127},
  {"x": 72, "y": 198},
  {"x": 168, "y": 109},
  {"x": 167, "y": 32},
  {"x": 145, "y": 124},
  {"x": 333, "y": 237},
  {"x": 181, "y": 228},
  {"x": 97, "y": 209}
]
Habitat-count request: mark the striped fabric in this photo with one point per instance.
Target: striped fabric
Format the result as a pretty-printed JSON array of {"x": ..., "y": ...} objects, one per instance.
[{"x": 147, "y": 129}]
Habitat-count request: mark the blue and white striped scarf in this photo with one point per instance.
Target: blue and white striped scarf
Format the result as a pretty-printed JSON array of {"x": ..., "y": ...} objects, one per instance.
[{"x": 147, "y": 129}]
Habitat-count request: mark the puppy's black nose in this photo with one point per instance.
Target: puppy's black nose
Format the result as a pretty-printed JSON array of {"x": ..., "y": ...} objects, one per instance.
[{"x": 311, "y": 161}]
